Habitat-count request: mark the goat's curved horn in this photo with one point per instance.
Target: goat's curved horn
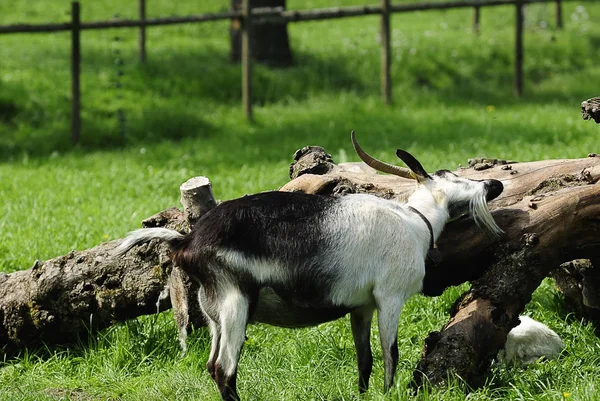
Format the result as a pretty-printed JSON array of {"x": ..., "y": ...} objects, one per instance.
[{"x": 378, "y": 164}]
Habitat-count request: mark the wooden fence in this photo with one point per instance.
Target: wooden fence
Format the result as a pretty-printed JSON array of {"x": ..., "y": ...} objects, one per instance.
[{"x": 248, "y": 16}]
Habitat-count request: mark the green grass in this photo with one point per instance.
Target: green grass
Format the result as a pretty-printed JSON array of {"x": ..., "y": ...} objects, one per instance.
[{"x": 453, "y": 99}]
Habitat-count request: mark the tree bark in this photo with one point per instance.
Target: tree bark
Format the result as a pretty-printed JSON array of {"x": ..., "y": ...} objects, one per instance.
[
  {"x": 579, "y": 281},
  {"x": 590, "y": 109},
  {"x": 270, "y": 42},
  {"x": 61, "y": 300},
  {"x": 550, "y": 211},
  {"x": 197, "y": 198},
  {"x": 64, "y": 299}
]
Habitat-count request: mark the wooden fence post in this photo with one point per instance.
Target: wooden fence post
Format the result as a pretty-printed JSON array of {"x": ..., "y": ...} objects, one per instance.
[
  {"x": 559, "y": 16},
  {"x": 142, "y": 37},
  {"x": 75, "y": 72},
  {"x": 519, "y": 48},
  {"x": 246, "y": 60},
  {"x": 476, "y": 19},
  {"x": 386, "y": 82}
]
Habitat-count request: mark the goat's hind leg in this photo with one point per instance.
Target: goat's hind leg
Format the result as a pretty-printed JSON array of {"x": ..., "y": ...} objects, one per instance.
[
  {"x": 233, "y": 317},
  {"x": 215, "y": 335},
  {"x": 210, "y": 310},
  {"x": 361, "y": 331}
]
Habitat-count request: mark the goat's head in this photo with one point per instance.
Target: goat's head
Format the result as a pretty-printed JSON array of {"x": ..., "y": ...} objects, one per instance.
[{"x": 460, "y": 196}]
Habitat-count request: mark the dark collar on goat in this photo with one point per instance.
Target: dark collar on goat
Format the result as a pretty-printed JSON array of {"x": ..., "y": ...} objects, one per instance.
[{"x": 434, "y": 254}]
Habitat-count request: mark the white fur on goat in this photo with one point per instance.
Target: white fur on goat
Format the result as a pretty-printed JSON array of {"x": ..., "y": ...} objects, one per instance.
[
  {"x": 529, "y": 341},
  {"x": 293, "y": 260}
]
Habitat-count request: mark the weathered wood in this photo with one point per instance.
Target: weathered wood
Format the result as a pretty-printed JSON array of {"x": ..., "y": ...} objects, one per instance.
[
  {"x": 197, "y": 198},
  {"x": 386, "y": 48},
  {"x": 63, "y": 299},
  {"x": 590, "y": 109},
  {"x": 268, "y": 27},
  {"x": 123, "y": 23},
  {"x": 75, "y": 72},
  {"x": 467, "y": 251},
  {"x": 355, "y": 11},
  {"x": 311, "y": 160},
  {"x": 142, "y": 33},
  {"x": 540, "y": 235},
  {"x": 266, "y": 15},
  {"x": 559, "y": 14},
  {"x": 247, "y": 59},
  {"x": 476, "y": 19},
  {"x": 519, "y": 24},
  {"x": 579, "y": 281},
  {"x": 549, "y": 210}
]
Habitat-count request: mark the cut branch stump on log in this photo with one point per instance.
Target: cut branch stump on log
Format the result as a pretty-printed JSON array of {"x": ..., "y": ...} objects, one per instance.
[{"x": 197, "y": 198}]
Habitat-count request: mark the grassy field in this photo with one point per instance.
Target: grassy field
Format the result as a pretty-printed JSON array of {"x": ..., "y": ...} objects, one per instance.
[{"x": 453, "y": 99}]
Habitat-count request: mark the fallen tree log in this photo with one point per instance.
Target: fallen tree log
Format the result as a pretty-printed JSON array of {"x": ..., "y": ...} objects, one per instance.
[
  {"x": 550, "y": 211},
  {"x": 64, "y": 299}
]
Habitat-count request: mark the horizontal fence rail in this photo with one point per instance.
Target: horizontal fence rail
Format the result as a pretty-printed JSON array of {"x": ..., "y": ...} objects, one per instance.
[
  {"x": 253, "y": 16},
  {"x": 270, "y": 15}
]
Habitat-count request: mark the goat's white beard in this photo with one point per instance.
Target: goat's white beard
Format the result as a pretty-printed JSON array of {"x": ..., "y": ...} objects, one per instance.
[{"x": 482, "y": 215}]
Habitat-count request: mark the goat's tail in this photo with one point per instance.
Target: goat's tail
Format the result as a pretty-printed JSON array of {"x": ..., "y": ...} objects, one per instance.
[{"x": 172, "y": 237}]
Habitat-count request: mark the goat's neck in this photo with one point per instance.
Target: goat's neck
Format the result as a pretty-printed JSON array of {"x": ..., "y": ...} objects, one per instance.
[{"x": 433, "y": 209}]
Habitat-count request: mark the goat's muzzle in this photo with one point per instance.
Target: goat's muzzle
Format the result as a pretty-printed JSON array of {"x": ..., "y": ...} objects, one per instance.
[{"x": 493, "y": 189}]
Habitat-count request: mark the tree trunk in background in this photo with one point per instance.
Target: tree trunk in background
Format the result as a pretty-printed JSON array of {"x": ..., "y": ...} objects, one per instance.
[{"x": 270, "y": 44}]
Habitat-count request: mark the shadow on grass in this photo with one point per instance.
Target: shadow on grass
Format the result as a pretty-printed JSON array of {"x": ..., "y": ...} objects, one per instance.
[
  {"x": 167, "y": 99},
  {"x": 503, "y": 93},
  {"x": 134, "y": 342},
  {"x": 380, "y": 131},
  {"x": 210, "y": 75},
  {"x": 33, "y": 132},
  {"x": 172, "y": 97}
]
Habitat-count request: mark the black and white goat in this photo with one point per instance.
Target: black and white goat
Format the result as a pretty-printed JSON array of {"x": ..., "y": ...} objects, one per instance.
[{"x": 294, "y": 260}]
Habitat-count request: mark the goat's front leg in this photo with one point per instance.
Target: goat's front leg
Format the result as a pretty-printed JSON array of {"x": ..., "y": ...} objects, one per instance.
[
  {"x": 388, "y": 313},
  {"x": 361, "y": 331}
]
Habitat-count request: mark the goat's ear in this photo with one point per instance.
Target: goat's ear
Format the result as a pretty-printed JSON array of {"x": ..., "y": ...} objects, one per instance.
[{"x": 413, "y": 164}]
